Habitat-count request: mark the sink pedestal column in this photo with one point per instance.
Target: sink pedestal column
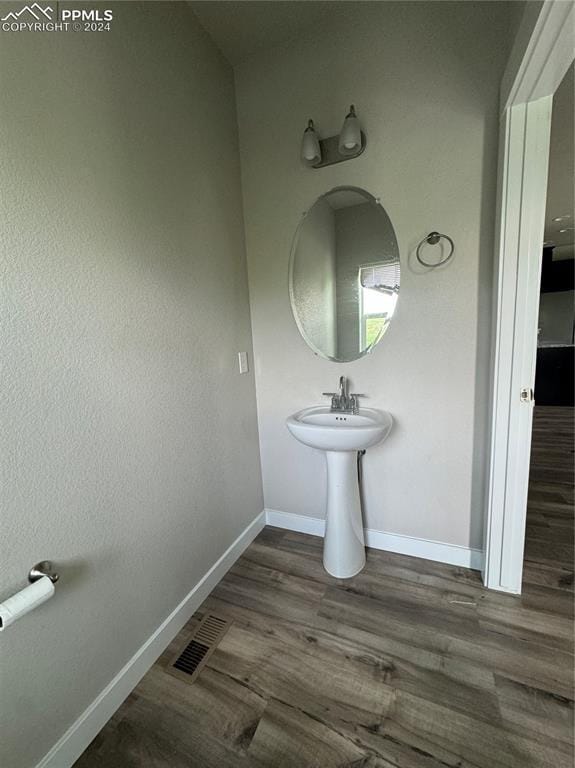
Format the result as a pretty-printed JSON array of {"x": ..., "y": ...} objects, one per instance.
[{"x": 344, "y": 546}]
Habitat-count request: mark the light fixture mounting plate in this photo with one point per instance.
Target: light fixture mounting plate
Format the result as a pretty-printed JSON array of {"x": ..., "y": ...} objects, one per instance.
[{"x": 330, "y": 154}]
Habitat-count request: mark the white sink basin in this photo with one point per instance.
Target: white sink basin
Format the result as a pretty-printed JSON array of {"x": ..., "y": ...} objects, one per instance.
[
  {"x": 320, "y": 427},
  {"x": 341, "y": 436}
]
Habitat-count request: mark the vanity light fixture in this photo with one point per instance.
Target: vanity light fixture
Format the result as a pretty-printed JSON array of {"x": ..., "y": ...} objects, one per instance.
[
  {"x": 319, "y": 153},
  {"x": 310, "y": 148},
  {"x": 350, "y": 134}
]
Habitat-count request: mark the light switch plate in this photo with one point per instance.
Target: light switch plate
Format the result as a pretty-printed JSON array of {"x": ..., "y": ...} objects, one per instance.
[{"x": 243, "y": 362}]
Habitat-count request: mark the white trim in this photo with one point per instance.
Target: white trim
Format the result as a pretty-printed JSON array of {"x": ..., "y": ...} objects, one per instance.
[
  {"x": 315, "y": 526},
  {"x": 527, "y": 128},
  {"x": 452, "y": 554},
  {"x": 541, "y": 54},
  {"x": 543, "y": 50},
  {"x": 69, "y": 748}
]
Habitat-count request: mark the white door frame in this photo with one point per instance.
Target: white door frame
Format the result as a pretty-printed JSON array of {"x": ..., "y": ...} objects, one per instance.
[{"x": 543, "y": 51}]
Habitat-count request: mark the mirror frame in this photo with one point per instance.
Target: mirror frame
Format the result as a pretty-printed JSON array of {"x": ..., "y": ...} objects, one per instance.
[{"x": 368, "y": 196}]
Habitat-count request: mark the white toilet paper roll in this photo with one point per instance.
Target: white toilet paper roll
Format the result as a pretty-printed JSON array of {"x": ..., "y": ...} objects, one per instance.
[{"x": 25, "y": 601}]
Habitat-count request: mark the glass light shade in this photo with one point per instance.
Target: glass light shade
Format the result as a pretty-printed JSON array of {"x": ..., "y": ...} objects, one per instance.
[
  {"x": 350, "y": 134},
  {"x": 310, "y": 149}
]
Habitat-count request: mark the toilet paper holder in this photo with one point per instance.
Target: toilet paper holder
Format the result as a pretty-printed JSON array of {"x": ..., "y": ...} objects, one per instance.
[
  {"x": 42, "y": 578},
  {"x": 41, "y": 569}
]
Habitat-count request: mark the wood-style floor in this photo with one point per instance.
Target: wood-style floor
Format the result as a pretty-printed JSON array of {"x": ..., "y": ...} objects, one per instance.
[
  {"x": 411, "y": 664},
  {"x": 550, "y": 521}
]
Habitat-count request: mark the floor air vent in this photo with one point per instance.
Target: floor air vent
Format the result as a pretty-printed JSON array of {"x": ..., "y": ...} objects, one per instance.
[{"x": 189, "y": 661}]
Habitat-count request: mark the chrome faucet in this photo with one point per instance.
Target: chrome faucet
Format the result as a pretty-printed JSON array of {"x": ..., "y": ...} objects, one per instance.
[
  {"x": 342, "y": 388},
  {"x": 341, "y": 401}
]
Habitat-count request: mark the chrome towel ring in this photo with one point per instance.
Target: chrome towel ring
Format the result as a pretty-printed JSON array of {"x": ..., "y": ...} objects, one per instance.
[{"x": 432, "y": 239}]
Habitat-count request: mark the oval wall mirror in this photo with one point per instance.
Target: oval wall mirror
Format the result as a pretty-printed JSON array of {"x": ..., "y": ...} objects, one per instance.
[{"x": 344, "y": 274}]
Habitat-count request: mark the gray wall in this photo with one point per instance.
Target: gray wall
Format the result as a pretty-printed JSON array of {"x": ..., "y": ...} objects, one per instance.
[
  {"x": 130, "y": 449},
  {"x": 556, "y": 317},
  {"x": 425, "y": 80}
]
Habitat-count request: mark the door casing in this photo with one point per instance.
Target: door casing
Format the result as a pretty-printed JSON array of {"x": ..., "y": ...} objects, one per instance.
[{"x": 543, "y": 50}]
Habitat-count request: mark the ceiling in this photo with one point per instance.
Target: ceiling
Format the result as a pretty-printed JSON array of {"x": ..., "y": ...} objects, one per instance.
[
  {"x": 240, "y": 28},
  {"x": 560, "y": 197}
]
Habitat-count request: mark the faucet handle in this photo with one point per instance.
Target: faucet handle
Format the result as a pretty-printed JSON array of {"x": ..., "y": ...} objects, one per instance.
[
  {"x": 334, "y": 400},
  {"x": 353, "y": 401}
]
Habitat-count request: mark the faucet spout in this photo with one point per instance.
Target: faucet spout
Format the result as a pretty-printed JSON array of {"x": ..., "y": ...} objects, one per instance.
[{"x": 342, "y": 387}]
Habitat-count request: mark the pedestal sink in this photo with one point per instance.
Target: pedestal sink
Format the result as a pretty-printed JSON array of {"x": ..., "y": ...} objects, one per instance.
[{"x": 341, "y": 435}]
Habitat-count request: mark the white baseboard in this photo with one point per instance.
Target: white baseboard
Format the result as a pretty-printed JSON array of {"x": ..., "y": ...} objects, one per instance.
[
  {"x": 466, "y": 557},
  {"x": 69, "y": 748},
  {"x": 315, "y": 526}
]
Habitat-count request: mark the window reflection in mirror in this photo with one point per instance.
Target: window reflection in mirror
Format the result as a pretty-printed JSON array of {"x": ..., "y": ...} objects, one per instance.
[
  {"x": 378, "y": 285},
  {"x": 344, "y": 274}
]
